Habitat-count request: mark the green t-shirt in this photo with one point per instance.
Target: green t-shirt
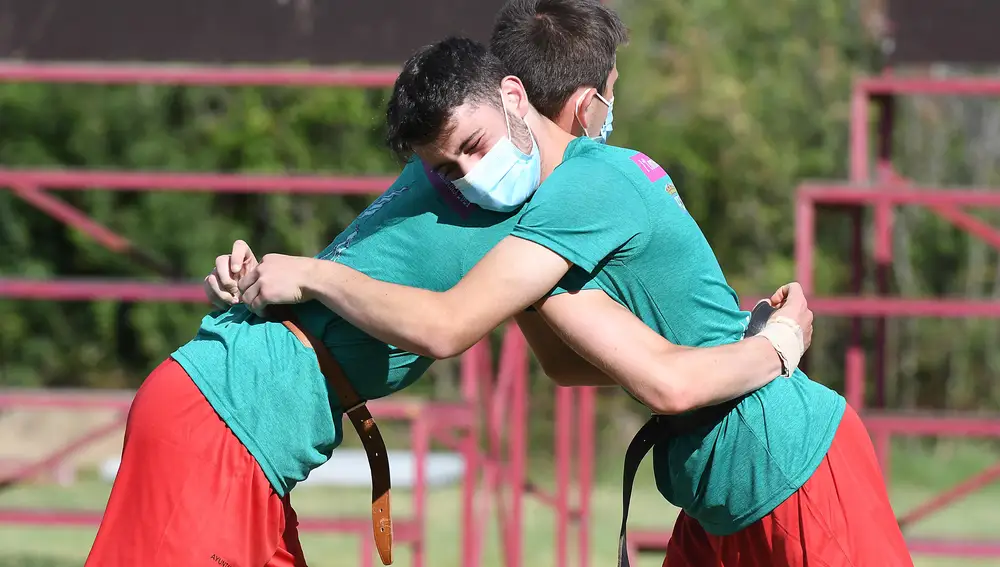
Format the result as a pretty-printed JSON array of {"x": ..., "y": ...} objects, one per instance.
[
  {"x": 267, "y": 386},
  {"x": 616, "y": 215}
]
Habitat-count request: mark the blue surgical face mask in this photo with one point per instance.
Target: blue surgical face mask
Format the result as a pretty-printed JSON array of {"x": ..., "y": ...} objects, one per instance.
[
  {"x": 607, "y": 127},
  {"x": 505, "y": 178}
]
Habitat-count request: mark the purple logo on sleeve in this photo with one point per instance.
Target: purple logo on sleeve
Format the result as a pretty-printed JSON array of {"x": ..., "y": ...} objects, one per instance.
[
  {"x": 449, "y": 194},
  {"x": 652, "y": 170}
]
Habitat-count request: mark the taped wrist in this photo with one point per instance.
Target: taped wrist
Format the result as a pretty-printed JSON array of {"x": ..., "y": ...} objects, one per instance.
[{"x": 785, "y": 337}]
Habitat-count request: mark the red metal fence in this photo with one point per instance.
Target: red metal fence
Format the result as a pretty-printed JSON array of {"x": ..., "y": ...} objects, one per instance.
[{"x": 881, "y": 189}]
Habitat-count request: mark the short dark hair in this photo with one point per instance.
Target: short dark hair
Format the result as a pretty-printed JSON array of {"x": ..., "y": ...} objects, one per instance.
[
  {"x": 435, "y": 81},
  {"x": 557, "y": 46}
]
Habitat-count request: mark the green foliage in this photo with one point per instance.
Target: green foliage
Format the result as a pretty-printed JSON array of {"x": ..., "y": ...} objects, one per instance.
[
  {"x": 173, "y": 129},
  {"x": 742, "y": 100}
]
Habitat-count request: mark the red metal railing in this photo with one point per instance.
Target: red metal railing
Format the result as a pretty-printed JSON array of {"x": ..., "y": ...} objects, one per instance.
[
  {"x": 881, "y": 424},
  {"x": 884, "y": 194},
  {"x": 187, "y": 75}
]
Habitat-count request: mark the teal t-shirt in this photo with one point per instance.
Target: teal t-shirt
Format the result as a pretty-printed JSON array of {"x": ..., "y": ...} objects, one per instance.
[
  {"x": 267, "y": 386},
  {"x": 617, "y": 216}
]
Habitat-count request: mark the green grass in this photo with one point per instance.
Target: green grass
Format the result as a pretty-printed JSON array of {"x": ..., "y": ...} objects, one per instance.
[{"x": 917, "y": 473}]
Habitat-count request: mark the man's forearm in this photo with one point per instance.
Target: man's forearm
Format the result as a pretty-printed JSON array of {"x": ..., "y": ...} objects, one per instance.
[
  {"x": 667, "y": 378},
  {"x": 410, "y": 318},
  {"x": 512, "y": 276},
  {"x": 711, "y": 375}
]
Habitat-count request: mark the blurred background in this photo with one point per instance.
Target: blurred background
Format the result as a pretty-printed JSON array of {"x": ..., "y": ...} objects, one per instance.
[{"x": 863, "y": 123}]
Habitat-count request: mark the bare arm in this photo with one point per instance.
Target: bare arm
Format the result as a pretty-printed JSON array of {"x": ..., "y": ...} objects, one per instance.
[
  {"x": 667, "y": 378},
  {"x": 560, "y": 362},
  {"x": 515, "y": 274},
  {"x": 512, "y": 276}
]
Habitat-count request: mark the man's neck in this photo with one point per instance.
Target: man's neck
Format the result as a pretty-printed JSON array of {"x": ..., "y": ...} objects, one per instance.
[{"x": 552, "y": 142}]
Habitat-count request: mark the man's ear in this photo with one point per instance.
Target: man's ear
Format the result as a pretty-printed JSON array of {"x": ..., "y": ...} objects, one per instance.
[
  {"x": 586, "y": 99},
  {"x": 514, "y": 95},
  {"x": 567, "y": 117}
]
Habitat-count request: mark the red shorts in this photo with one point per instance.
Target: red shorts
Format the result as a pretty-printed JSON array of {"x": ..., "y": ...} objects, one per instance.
[
  {"x": 187, "y": 492},
  {"x": 840, "y": 517}
]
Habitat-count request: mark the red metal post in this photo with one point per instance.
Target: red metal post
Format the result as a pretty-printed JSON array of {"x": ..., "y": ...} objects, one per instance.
[
  {"x": 857, "y": 269},
  {"x": 493, "y": 461},
  {"x": 859, "y": 133},
  {"x": 883, "y": 237},
  {"x": 420, "y": 440},
  {"x": 563, "y": 456},
  {"x": 883, "y": 448},
  {"x": 805, "y": 241},
  {"x": 471, "y": 534},
  {"x": 860, "y": 173},
  {"x": 588, "y": 443},
  {"x": 367, "y": 552},
  {"x": 515, "y": 362},
  {"x": 854, "y": 382}
]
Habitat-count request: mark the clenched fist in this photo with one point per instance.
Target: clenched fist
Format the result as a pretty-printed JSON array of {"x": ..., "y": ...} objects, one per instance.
[
  {"x": 790, "y": 301},
  {"x": 277, "y": 279},
  {"x": 220, "y": 285}
]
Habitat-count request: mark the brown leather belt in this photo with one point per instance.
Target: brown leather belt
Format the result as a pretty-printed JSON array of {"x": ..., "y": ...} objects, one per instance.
[{"x": 359, "y": 415}]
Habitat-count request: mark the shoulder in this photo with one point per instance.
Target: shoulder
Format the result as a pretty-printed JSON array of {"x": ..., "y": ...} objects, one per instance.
[
  {"x": 589, "y": 159},
  {"x": 413, "y": 191},
  {"x": 634, "y": 165},
  {"x": 610, "y": 163},
  {"x": 598, "y": 173},
  {"x": 412, "y": 176}
]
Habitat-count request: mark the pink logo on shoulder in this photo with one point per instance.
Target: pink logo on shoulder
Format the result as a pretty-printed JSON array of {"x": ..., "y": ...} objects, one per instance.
[{"x": 652, "y": 169}]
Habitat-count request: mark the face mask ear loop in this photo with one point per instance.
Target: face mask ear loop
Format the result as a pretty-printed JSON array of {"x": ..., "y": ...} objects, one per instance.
[
  {"x": 576, "y": 114},
  {"x": 506, "y": 118}
]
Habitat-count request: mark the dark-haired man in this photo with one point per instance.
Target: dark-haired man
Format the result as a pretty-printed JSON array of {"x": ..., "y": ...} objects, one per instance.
[
  {"x": 221, "y": 432},
  {"x": 787, "y": 477}
]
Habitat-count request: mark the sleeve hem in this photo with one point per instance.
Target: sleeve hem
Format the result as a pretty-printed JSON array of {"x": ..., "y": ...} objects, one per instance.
[{"x": 555, "y": 246}]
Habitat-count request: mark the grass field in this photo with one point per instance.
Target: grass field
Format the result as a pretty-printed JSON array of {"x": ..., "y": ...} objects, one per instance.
[{"x": 917, "y": 475}]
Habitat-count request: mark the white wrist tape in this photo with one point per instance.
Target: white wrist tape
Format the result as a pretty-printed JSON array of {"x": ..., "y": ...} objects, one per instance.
[{"x": 785, "y": 336}]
